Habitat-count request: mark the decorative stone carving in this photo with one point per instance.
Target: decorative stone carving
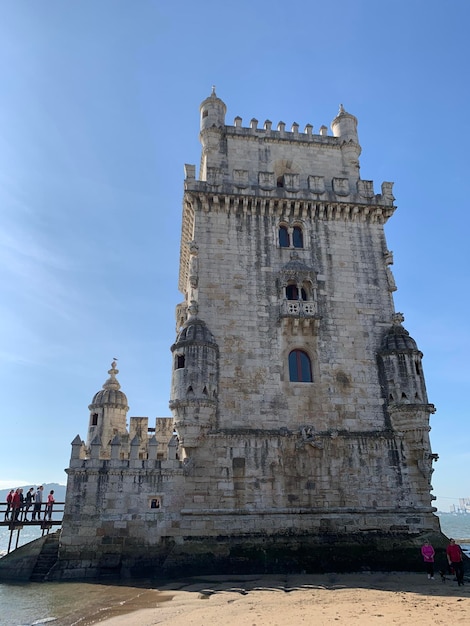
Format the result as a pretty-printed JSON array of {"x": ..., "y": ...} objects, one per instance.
[
  {"x": 291, "y": 181},
  {"x": 387, "y": 193},
  {"x": 365, "y": 188},
  {"x": 341, "y": 186},
  {"x": 193, "y": 264},
  {"x": 316, "y": 184},
  {"x": 266, "y": 180},
  {"x": 307, "y": 437},
  {"x": 388, "y": 258},
  {"x": 240, "y": 178},
  {"x": 214, "y": 175}
]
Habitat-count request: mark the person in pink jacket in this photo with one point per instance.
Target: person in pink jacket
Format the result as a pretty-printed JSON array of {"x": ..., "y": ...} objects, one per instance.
[
  {"x": 49, "y": 504},
  {"x": 428, "y": 555}
]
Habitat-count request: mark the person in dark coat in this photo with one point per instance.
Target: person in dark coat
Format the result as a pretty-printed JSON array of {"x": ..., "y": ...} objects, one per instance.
[{"x": 28, "y": 501}]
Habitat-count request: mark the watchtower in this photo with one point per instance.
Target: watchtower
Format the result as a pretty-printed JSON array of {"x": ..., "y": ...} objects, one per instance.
[{"x": 299, "y": 436}]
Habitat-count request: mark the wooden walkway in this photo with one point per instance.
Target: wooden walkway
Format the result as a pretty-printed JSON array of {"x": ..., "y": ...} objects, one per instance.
[{"x": 18, "y": 522}]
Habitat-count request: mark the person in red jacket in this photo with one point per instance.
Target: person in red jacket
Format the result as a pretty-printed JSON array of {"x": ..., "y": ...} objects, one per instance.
[
  {"x": 15, "y": 506},
  {"x": 9, "y": 501},
  {"x": 455, "y": 559}
]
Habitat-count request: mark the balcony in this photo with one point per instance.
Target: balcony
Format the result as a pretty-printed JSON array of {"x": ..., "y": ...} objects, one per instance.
[
  {"x": 298, "y": 308},
  {"x": 299, "y": 316}
]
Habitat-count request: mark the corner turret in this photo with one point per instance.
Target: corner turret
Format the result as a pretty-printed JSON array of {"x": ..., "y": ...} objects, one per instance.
[
  {"x": 194, "y": 387},
  {"x": 345, "y": 126},
  {"x": 402, "y": 368},
  {"x": 211, "y": 136},
  {"x": 213, "y": 111},
  {"x": 108, "y": 411}
]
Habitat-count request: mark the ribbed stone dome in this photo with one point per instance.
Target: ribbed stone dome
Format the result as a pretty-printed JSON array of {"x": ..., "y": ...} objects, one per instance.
[
  {"x": 111, "y": 393},
  {"x": 397, "y": 339},
  {"x": 195, "y": 331}
]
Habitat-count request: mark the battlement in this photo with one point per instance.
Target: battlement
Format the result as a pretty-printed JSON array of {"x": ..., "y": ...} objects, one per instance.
[
  {"x": 281, "y": 162},
  {"x": 280, "y": 133},
  {"x": 140, "y": 443}
]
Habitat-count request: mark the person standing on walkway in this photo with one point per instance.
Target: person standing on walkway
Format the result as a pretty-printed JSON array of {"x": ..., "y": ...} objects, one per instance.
[
  {"x": 15, "y": 505},
  {"x": 455, "y": 559},
  {"x": 28, "y": 501},
  {"x": 427, "y": 552},
  {"x": 37, "y": 503},
  {"x": 49, "y": 505},
  {"x": 9, "y": 505}
]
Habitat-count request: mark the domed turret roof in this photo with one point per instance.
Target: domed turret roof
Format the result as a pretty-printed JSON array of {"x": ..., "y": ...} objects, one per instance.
[
  {"x": 195, "y": 331},
  {"x": 111, "y": 393},
  {"x": 398, "y": 338},
  {"x": 213, "y": 99}
]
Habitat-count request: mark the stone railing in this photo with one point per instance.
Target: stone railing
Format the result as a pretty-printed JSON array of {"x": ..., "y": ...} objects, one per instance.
[{"x": 298, "y": 308}]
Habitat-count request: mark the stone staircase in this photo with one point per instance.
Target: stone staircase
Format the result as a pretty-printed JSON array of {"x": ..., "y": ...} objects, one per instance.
[{"x": 47, "y": 558}]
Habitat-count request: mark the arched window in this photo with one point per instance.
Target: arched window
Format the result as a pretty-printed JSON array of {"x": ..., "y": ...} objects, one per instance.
[
  {"x": 292, "y": 293},
  {"x": 297, "y": 237},
  {"x": 283, "y": 237},
  {"x": 300, "y": 368},
  {"x": 280, "y": 181}
]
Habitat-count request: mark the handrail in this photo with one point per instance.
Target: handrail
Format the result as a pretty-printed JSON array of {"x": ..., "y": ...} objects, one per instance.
[
  {"x": 18, "y": 524},
  {"x": 23, "y": 512}
]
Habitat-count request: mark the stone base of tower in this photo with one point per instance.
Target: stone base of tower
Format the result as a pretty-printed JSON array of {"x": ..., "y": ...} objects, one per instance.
[
  {"x": 309, "y": 554},
  {"x": 286, "y": 551}
]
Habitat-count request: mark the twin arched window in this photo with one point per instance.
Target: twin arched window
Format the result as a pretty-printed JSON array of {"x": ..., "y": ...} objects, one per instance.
[
  {"x": 300, "y": 367},
  {"x": 293, "y": 292},
  {"x": 293, "y": 239}
]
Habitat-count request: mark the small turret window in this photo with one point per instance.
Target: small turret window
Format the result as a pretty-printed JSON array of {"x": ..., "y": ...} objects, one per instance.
[
  {"x": 94, "y": 419},
  {"x": 300, "y": 368},
  {"x": 179, "y": 361},
  {"x": 284, "y": 241},
  {"x": 205, "y": 113}
]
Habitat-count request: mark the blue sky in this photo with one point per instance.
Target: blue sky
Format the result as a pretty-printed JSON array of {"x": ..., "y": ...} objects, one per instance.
[{"x": 99, "y": 111}]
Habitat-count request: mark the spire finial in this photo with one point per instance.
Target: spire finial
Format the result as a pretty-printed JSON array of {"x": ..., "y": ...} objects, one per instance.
[
  {"x": 112, "y": 382},
  {"x": 213, "y": 92},
  {"x": 341, "y": 109},
  {"x": 398, "y": 319}
]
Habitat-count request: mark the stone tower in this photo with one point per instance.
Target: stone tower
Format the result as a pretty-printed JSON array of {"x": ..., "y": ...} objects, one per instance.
[{"x": 299, "y": 437}]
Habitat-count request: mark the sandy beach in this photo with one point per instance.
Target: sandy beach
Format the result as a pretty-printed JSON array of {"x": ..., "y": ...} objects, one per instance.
[{"x": 369, "y": 598}]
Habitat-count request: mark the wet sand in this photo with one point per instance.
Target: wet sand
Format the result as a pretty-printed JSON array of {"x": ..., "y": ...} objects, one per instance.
[{"x": 370, "y": 598}]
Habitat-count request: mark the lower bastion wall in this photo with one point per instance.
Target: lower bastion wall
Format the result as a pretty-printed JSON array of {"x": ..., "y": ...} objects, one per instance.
[{"x": 141, "y": 517}]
